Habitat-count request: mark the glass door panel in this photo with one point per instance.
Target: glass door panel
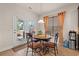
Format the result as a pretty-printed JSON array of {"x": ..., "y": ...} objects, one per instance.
[{"x": 20, "y": 29}]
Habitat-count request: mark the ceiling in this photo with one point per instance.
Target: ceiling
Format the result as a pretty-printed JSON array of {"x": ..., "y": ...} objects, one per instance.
[{"x": 40, "y": 8}]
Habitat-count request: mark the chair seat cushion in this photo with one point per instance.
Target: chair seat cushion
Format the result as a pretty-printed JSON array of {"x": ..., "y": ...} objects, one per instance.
[
  {"x": 50, "y": 44},
  {"x": 34, "y": 45},
  {"x": 34, "y": 40}
]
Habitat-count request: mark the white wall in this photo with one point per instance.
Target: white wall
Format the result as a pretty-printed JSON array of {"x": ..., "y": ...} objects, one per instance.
[
  {"x": 70, "y": 20},
  {"x": 7, "y": 11}
]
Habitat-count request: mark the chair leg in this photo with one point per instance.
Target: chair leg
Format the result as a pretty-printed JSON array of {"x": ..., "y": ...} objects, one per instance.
[
  {"x": 57, "y": 50},
  {"x": 54, "y": 51},
  {"x": 32, "y": 52},
  {"x": 27, "y": 52}
]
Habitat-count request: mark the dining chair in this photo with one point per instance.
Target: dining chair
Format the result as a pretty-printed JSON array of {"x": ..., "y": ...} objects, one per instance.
[
  {"x": 33, "y": 44},
  {"x": 53, "y": 45},
  {"x": 28, "y": 38}
]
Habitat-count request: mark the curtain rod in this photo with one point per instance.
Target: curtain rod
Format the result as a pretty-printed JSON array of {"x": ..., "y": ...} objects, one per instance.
[
  {"x": 56, "y": 15},
  {"x": 52, "y": 16}
]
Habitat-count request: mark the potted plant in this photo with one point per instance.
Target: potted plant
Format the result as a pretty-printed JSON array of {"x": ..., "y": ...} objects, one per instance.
[{"x": 40, "y": 32}]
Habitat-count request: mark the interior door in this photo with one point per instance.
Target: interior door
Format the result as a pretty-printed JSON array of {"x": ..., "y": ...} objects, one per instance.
[{"x": 18, "y": 31}]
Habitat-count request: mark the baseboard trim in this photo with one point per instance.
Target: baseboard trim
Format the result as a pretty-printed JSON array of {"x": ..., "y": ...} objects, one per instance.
[
  {"x": 6, "y": 48},
  {"x": 12, "y": 47},
  {"x": 19, "y": 47}
]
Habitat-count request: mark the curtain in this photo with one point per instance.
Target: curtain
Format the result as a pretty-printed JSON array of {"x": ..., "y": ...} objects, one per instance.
[
  {"x": 61, "y": 21},
  {"x": 46, "y": 23},
  {"x": 61, "y": 18}
]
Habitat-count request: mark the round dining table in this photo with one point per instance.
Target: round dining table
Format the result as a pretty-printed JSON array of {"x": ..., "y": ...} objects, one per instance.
[{"x": 42, "y": 39}]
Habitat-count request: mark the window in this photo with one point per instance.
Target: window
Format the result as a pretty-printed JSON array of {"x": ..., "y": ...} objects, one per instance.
[{"x": 53, "y": 25}]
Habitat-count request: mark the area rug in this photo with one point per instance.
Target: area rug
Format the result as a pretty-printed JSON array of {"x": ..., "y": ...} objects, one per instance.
[{"x": 22, "y": 52}]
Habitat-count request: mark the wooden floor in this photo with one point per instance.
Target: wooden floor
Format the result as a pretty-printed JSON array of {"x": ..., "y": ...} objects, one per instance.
[
  {"x": 69, "y": 52},
  {"x": 62, "y": 51},
  {"x": 11, "y": 52}
]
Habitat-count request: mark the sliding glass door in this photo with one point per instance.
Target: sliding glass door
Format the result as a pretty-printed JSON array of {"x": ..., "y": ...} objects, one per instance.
[
  {"x": 21, "y": 26},
  {"x": 18, "y": 31},
  {"x": 53, "y": 25}
]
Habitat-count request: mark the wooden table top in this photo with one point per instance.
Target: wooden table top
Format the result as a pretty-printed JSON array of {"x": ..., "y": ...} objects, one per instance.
[{"x": 43, "y": 36}]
